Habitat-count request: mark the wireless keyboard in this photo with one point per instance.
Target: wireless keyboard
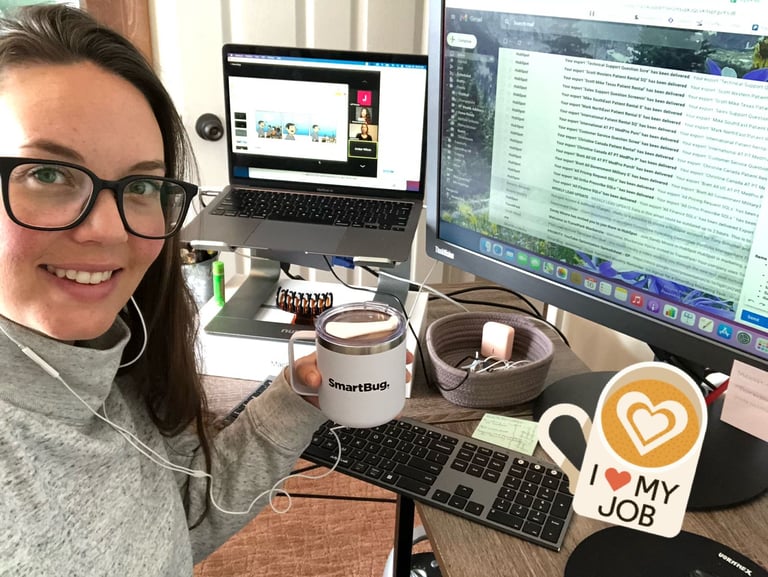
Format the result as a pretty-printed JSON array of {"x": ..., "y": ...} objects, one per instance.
[{"x": 490, "y": 485}]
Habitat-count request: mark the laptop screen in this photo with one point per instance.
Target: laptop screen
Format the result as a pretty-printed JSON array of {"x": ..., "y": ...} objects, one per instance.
[{"x": 326, "y": 120}]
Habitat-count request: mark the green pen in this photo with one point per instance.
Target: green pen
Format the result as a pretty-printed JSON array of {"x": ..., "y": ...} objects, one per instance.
[{"x": 218, "y": 282}]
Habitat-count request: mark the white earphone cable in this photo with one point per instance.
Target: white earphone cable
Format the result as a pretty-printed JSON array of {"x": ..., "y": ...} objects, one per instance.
[
  {"x": 156, "y": 457},
  {"x": 144, "y": 333}
]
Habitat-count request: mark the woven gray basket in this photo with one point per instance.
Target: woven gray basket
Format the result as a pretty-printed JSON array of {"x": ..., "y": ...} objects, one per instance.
[{"x": 455, "y": 338}]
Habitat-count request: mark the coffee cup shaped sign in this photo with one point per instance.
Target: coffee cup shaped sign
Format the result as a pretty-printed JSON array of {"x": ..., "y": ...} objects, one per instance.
[
  {"x": 642, "y": 448},
  {"x": 361, "y": 358}
]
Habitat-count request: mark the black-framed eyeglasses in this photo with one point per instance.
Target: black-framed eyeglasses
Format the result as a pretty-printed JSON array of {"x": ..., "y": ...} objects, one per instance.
[{"x": 52, "y": 195}]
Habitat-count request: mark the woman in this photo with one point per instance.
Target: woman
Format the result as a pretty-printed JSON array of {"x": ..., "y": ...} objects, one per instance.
[
  {"x": 363, "y": 134},
  {"x": 78, "y": 496}
]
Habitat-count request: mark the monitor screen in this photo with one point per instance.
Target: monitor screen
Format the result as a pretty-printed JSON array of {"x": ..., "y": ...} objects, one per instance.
[
  {"x": 323, "y": 118},
  {"x": 610, "y": 160}
]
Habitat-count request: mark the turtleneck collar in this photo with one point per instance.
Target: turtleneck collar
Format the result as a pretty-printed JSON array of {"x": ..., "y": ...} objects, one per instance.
[{"x": 88, "y": 367}]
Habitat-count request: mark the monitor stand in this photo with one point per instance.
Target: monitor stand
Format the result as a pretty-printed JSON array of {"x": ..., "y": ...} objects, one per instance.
[
  {"x": 237, "y": 317},
  {"x": 227, "y": 344},
  {"x": 733, "y": 466}
]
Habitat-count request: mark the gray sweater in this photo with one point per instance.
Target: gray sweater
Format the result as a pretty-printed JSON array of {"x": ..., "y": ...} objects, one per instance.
[{"x": 77, "y": 499}]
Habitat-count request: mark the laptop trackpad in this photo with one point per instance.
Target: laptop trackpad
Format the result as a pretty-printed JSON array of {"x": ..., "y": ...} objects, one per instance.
[{"x": 296, "y": 237}]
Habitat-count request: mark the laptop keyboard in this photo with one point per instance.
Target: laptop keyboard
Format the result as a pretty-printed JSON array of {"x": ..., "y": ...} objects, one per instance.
[
  {"x": 490, "y": 485},
  {"x": 315, "y": 209}
]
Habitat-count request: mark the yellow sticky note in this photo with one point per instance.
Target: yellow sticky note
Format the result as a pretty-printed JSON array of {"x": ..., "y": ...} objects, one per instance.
[{"x": 510, "y": 432}]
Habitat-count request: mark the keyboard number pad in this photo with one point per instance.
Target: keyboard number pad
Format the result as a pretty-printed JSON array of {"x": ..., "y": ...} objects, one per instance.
[{"x": 533, "y": 499}]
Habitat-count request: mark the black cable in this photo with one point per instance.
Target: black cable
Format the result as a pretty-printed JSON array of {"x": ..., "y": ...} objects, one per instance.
[
  {"x": 699, "y": 375},
  {"x": 466, "y": 374},
  {"x": 496, "y": 305},
  {"x": 369, "y": 270},
  {"x": 515, "y": 308},
  {"x": 533, "y": 312},
  {"x": 286, "y": 268},
  {"x": 421, "y": 357},
  {"x": 456, "y": 386},
  {"x": 305, "y": 469},
  {"x": 411, "y": 285},
  {"x": 523, "y": 298},
  {"x": 366, "y": 289},
  {"x": 402, "y": 307},
  {"x": 340, "y": 497}
]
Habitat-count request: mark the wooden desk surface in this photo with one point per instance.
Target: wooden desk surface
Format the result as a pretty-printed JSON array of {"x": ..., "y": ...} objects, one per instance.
[{"x": 467, "y": 549}]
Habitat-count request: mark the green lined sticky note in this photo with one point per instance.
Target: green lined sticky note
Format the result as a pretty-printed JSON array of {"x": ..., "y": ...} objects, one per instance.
[{"x": 510, "y": 432}]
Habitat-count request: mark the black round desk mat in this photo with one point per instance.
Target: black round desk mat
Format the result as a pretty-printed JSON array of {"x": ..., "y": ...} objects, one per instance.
[{"x": 622, "y": 552}]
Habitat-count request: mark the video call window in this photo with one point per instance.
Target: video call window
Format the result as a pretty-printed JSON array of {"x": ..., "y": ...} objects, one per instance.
[{"x": 303, "y": 117}]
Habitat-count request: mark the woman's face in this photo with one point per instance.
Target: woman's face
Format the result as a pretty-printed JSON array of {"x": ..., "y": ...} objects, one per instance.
[{"x": 71, "y": 284}]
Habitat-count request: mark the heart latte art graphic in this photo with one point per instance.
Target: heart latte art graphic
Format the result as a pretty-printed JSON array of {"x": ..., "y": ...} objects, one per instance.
[{"x": 649, "y": 426}]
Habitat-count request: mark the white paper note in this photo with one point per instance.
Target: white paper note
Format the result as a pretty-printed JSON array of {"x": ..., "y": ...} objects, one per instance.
[
  {"x": 746, "y": 400},
  {"x": 516, "y": 434}
]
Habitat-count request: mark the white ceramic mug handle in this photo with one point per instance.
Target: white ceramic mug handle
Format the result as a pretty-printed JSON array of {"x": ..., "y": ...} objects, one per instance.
[
  {"x": 545, "y": 422},
  {"x": 298, "y": 387}
]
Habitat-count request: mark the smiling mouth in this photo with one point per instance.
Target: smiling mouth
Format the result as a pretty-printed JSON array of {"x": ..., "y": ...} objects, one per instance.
[{"x": 80, "y": 276}]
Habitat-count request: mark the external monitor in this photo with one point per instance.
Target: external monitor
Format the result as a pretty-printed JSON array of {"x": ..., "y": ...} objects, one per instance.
[{"x": 610, "y": 159}]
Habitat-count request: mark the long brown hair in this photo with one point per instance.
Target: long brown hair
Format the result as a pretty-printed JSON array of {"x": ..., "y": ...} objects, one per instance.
[{"x": 167, "y": 373}]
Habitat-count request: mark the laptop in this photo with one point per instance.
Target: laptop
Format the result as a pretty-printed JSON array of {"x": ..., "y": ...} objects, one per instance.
[{"x": 334, "y": 126}]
